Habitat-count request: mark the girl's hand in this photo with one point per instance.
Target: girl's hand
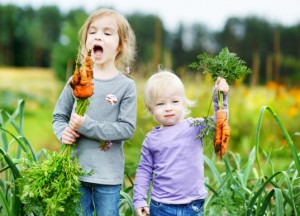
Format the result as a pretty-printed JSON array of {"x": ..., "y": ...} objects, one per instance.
[
  {"x": 144, "y": 211},
  {"x": 69, "y": 136},
  {"x": 222, "y": 85},
  {"x": 76, "y": 121}
]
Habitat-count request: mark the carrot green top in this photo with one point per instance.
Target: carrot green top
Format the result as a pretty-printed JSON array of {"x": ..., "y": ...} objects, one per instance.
[{"x": 226, "y": 65}]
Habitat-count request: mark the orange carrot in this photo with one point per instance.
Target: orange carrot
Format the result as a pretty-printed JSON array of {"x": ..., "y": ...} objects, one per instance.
[
  {"x": 225, "y": 138},
  {"x": 222, "y": 133},
  {"x": 82, "y": 81}
]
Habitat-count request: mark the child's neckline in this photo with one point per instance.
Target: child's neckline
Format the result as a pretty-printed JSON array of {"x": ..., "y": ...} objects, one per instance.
[
  {"x": 109, "y": 79},
  {"x": 160, "y": 127}
]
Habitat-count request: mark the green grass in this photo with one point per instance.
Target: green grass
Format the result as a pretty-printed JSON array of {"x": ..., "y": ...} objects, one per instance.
[
  {"x": 40, "y": 90},
  {"x": 236, "y": 186}
]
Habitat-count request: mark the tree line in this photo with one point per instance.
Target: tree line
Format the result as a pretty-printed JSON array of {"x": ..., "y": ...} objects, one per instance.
[{"x": 46, "y": 37}]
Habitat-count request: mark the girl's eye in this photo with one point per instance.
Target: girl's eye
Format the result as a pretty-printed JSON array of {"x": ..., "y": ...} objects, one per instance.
[
  {"x": 160, "y": 104},
  {"x": 175, "y": 101},
  {"x": 107, "y": 33}
]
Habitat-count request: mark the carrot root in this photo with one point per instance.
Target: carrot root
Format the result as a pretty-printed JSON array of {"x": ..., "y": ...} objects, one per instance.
[
  {"x": 222, "y": 133},
  {"x": 82, "y": 81}
]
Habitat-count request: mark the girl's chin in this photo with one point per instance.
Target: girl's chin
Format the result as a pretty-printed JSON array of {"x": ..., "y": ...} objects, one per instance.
[{"x": 96, "y": 59}]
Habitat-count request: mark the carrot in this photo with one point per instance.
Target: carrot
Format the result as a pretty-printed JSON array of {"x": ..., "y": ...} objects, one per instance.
[
  {"x": 220, "y": 119},
  {"x": 222, "y": 133},
  {"x": 225, "y": 137},
  {"x": 82, "y": 81},
  {"x": 230, "y": 67}
]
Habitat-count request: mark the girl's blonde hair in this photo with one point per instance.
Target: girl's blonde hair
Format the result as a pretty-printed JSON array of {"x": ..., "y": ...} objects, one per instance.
[
  {"x": 127, "y": 42},
  {"x": 157, "y": 84}
]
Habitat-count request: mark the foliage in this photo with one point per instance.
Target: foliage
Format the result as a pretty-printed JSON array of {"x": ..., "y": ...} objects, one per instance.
[
  {"x": 33, "y": 186},
  {"x": 208, "y": 131},
  {"x": 9, "y": 201},
  {"x": 43, "y": 33},
  {"x": 31, "y": 30},
  {"x": 226, "y": 65},
  {"x": 237, "y": 179},
  {"x": 150, "y": 36},
  {"x": 240, "y": 191},
  {"x": 126, "y": 201},
  {"x": 46, "y": 188},
  {"x": 40, "y": 182},
  {"x": 65, "y": 50},
  {"x": 51, "y": 187}
]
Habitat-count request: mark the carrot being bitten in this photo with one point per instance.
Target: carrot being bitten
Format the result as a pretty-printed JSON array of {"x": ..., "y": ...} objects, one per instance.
[{"x": 82, "y": 81}]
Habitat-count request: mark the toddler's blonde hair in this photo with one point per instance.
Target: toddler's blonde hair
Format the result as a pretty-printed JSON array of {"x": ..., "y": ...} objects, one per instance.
[{"x": 160, "y": 81}]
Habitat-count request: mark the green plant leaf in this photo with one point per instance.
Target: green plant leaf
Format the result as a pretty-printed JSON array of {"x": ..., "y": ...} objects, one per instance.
[{"x": 226, "y": 65}]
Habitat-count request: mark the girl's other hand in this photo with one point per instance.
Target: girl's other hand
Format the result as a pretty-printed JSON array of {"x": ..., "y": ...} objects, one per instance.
[
  {"x": 222, "y": 85},
  {"x": 69, "y": 136}
]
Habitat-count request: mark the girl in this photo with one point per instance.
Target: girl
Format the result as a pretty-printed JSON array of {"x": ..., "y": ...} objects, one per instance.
[
  {"x": 111, "y": 115},
  {"x": 171, "y": 156}
]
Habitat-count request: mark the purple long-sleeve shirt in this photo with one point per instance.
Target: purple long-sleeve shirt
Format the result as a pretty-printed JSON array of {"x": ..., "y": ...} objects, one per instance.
[{"x": 172, "y": 158}]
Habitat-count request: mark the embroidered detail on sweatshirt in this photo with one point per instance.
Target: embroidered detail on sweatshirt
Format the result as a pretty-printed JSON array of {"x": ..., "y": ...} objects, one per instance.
[{"x": 111, "y": 99}]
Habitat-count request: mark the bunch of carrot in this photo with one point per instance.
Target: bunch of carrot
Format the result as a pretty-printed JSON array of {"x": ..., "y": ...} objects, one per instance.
[
  {"x": 230, "y": 67},
  {"x": 52, "y": 186},
  {"x": 83, "y": 88},
  {"x": 82, "y": 81},
  {"x": 82, "y": 84}
]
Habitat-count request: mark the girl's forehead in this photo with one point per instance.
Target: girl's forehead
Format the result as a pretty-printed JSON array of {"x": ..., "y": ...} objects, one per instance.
[{"x": 104, "y": 21}]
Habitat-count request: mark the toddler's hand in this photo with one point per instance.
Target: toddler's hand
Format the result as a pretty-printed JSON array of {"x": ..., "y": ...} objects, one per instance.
[
  {"x": 69, "y": 136},
  {"x": 143, "y": 211},
  {"x": 222, "y": 85}
]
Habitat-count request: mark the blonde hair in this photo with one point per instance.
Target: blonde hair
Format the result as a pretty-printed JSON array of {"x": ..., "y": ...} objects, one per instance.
[
  {"x": 126, "y": 55},
  {"x": 157, "y": 84}
]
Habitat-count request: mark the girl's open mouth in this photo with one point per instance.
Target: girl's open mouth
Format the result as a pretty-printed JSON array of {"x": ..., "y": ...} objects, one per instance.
[{"x": 97, "y": 50}]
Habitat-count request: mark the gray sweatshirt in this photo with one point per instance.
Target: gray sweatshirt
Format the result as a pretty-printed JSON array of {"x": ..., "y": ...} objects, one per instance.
[{"x": 111, "y": 116}]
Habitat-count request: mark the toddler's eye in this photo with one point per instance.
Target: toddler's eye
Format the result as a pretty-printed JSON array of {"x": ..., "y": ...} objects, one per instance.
[
  {"x": 175, "y": 101},
  {"x": 160, "y": 104}
]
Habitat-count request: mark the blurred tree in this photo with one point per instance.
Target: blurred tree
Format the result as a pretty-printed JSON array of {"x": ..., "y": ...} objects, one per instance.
[
  {"x": 197, "y": 39},
  {"x": 24, "y": 37},
  {"x": 8, "y": 23},
  {"x": 45, "y": 37},
  {"x": 290, "y": 39},
  {"x": 252, "y": 39},
  {"x": 150, "y": 35},
  {"x": 290, "y": 50},
  {"x": 187, "y": 43},
  {"x": 47, "y": 30},
  {"x": 65, "y": 50},
  {"x": 27, "y": 36},
  {"x": 177, "y": 49},
  {"x": 232, "y": 35}
]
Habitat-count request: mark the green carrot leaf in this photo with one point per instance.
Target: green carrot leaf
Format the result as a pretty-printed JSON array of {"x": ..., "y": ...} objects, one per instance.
[{"x": 226, "y": 65}]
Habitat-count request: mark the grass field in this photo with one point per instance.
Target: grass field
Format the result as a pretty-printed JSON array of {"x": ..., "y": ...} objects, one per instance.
[
  {"x": 258, "y": 176},
  {"x": 40, "y": 90}
]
